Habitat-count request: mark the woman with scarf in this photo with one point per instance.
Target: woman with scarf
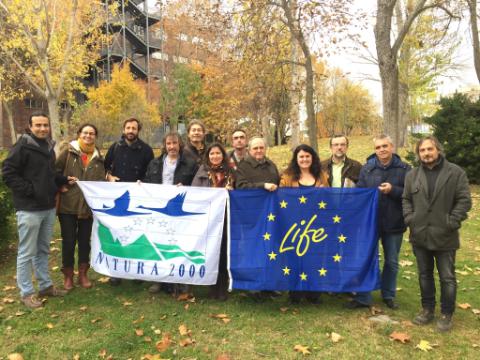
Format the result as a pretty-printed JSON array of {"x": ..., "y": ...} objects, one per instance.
[
  {"x": 216, "y": 172},
  {"x": 304, "y": 171},
  {"x": 82, "y": 160}
]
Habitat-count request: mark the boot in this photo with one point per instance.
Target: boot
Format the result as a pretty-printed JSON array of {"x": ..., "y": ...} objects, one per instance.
[
  {"x": 82, "y": 276},
  {"x": 67, "y": 278}
]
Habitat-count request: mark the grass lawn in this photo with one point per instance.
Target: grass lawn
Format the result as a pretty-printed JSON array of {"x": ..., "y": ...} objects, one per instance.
[{"x": 127, "y": 322}]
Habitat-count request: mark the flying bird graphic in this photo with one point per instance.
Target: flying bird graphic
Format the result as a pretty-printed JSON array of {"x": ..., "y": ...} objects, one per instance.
[
  {"x": 120, "y": 207},
  {"x": 174, "y": 207}
]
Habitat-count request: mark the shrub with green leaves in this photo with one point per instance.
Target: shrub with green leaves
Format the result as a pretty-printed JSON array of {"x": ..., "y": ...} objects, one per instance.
[{"x": 457, "y": 126}]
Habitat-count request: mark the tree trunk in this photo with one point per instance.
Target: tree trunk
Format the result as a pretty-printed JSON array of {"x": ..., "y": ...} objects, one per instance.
[
  {"x": 11, "y": 123},
  {"x": 54, "y": 116},
  {"x": 404, "y": 113},
  {"x": 472, "y": 5},
  {"x": 266, "y": 129}
]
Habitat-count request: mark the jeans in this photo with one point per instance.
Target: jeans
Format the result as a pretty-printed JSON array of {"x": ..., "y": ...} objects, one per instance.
[
  {"x": 391, "y": 244},
  {"x": 445, "y": 261},
  {"x": 75, "y": 230},
  {"x": 35, "y": 229}
]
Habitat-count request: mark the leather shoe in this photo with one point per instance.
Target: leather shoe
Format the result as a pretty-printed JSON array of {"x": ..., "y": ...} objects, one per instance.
[
  {"x": 354, "y": 304},
  {"x": 391, "y": 304}
]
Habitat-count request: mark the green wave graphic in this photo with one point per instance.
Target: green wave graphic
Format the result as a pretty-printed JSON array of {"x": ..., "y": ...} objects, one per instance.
[{"x": 142, "y": 248}]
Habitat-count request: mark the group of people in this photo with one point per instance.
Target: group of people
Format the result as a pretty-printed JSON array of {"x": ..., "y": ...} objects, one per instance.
[{"x": 431, "y": 199}]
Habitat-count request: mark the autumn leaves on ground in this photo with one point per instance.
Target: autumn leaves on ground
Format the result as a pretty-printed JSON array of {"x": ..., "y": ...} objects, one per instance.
[{"x": 127, "y": 322}]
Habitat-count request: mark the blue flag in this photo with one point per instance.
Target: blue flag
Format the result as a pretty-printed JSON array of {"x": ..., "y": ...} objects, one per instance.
[{"x": 304, "y": 239}]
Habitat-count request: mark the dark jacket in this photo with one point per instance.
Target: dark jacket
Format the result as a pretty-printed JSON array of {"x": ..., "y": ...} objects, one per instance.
[
  {"x": 434, "y": 222},
  {"x": 29, "y": 170},
  {"x": 251, "y": 174},
  {"x": 184, "y": 172},
  {"x": 128, "y": 162},
  {"x": 372, "y": 174},
  {"x": 70, "y": 163},
  {"x": 233, "y": 162},
  {"x": 202, "y": 177},
  {"x": 190, "y": 151},
  {"x": 351, "y": 170}
]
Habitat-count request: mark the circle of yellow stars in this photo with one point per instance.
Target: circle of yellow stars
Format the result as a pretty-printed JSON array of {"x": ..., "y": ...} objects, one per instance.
[{"x": 322, "y": 205}]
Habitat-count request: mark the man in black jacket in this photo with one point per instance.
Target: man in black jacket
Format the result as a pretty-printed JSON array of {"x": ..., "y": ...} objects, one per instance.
[
  {"x": 172, "y": 167},
  {"x": 29, "y": 170},
  {"x": 127, "y": 159},
  {"x": 436, "y": 200}
]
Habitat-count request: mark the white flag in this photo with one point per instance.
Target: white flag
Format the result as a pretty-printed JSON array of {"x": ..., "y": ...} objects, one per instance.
[{"x": 156, "y": 232}]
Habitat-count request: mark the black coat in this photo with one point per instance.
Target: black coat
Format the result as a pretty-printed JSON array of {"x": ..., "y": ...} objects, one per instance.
[
  {"x": 128, "y": 162},
  {"x": 372, "y": 174},
  {"x": 29, "y": 170},
  {"x": 184, "y": 172}
]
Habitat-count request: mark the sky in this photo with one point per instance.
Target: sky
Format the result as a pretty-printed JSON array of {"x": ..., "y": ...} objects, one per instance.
[{"x": 365, "y": 73}]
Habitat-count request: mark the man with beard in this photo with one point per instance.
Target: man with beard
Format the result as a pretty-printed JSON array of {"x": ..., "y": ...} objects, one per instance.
[
  {"x": 171, "y": 168},
  {"x": 195, "y": 147},
  {"x": 436, "y": 200},
  {"x": 342, "y": 171},
  {"x": 239, "y": 144},
  {"x": 127, "y": 159}
]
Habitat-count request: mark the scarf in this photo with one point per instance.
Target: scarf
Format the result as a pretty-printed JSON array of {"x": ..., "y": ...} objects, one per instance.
[
  {"x": 218, "y": 176},
  {"x": 86, "y": 151}
]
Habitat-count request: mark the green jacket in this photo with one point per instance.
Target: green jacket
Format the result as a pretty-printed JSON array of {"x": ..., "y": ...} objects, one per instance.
[
  {"x": 434, "y": 223},
  {"x": 69, "y": 163}
]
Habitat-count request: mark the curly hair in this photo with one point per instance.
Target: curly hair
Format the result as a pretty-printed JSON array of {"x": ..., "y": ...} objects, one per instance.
[{"x": 315, "y": 169}]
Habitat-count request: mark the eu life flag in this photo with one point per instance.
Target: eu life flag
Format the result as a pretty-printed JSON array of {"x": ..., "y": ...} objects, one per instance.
[{"x": 304, "y": 239}]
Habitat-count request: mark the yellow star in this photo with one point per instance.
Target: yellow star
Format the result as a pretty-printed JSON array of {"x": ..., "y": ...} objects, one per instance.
[
  {"x": 342, "y": 238},
  {"x": 272, "y": 256},
  {"x": 303, "y": 200},
  {"x": 336, "y": 219},
  {"x": 303, "y": 276},
  {"x": 283, "y": 204},
  {"x": 337, "y": 258},
  {"x": 286, "y": 270},
  {"x": 266, "y": 236},
  {"x": 271, "y": 217},
  {"x": 322, "y": 272},
  {"x": 322, "y": 205}
]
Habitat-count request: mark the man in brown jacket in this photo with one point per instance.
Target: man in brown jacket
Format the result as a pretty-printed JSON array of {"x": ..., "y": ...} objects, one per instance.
[
  {"x": 342, "y": 171},
  {"x": 436, "y": 199}
]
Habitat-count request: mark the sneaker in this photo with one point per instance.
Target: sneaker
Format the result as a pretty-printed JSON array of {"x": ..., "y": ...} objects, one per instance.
[
  {"x": 445, "y": 322},
  {"x": 354, "y": 304},
  {"x": 52, "y": 291},
  {"x": 155, "y": 288},
  {"x": 424, "y": 317},
  {"x": 31, "y": 301},
  {"x": 391, "y": 304}
]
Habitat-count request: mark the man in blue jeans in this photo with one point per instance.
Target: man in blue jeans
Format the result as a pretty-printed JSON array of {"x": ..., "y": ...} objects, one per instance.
[
  {"x": 29, "y": 172},
  {"x": 386, "y": 171},
  {"x": 436, "y": 200}
]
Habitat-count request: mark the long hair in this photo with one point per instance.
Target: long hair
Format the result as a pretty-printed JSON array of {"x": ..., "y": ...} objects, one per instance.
[
  {"x": 315, "y": 169},
  {"x": 175, "y": 136},
  {"x": 222, "y": 150}
]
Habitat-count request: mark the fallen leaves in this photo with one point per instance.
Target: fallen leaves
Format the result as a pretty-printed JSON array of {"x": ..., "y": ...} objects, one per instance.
[
  {"x": 302, "y": 349},
  {"x": 335, "y": 337},
  {"x": 223, "y": 317},
  {"x": 404, "y": 263},
  {"x": 183, "y": 330},
  {"x": 399, "y": 336},
  {"x": 185, "y": 342},
  {"x": 464, "y": 306},
  {"x": 139, "y": 332},
  {"x": 7, "y": 300},
  {"x": 50, "y": 326},
  {"x": 164, "y": 344},
  {"x": 8, "y": 288},
  {"x": 20, "y": 313},
  {"x": 83, "y": 308},
  {"x": 476, "y": 311},
  {"x": 15, "y": 356},
  {"x": 103, "y": 280},
  {"x": 127, "y": 303},
  {"x": 424, "y": 345}
]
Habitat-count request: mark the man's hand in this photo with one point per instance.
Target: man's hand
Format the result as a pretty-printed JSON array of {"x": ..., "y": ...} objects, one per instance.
[
  {"x": 385, "y": 188},
  {"x": 112, "y": 178},
  {"x": 270, "y": 186}
]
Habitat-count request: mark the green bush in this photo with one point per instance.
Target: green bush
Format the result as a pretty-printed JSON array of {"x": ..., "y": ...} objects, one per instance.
[
  {"x": 6, "y": 210},
  {"x": 457, "y": 126}
]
